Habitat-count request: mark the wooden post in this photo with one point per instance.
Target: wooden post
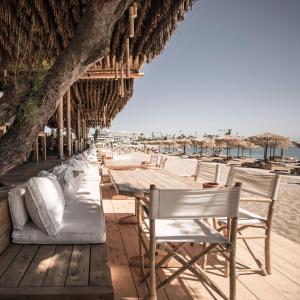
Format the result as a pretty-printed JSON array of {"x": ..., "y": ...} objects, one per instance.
[
  {"x": 83, "y": 135},
  {"x": 122, "y": 81},
  {"x": 69, "y": 130},
  {"x": 60, "y": 129},
  {"x": 36, "y": 149},
  {"x": 127, "y": 57},
  {"x": 131, "y": 22},
  {"x": 78, "y": 130},
  {"x": 44, "y": 147}
]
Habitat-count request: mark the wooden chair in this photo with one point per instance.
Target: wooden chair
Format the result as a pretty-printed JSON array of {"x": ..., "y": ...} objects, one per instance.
[
  {"x": 256, "y": 188},
  {"x": 162, "y": 162},
  {"x": 153, "y": 160},
  {"x": 207, "y": 172},
  {"x": 175, "y": 218}
]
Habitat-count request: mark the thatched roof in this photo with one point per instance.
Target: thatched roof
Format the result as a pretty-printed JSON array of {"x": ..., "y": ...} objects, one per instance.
[
  {"x": 269, "y": 139},
  {"x": 33, "y": 33}
]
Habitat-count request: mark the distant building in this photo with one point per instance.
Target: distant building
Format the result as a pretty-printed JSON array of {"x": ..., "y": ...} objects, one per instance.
[{"x": 112, "y": 135}]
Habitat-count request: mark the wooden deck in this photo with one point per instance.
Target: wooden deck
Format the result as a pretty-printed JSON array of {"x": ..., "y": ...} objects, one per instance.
[
  {"x": 55, "y": 272},
  {"x": 284, "y": 283}
]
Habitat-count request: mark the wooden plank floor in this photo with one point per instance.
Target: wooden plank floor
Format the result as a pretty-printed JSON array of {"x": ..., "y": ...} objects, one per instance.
[
  {"x": 284, "y": 283},
  {"x": 55, "y": 272}
]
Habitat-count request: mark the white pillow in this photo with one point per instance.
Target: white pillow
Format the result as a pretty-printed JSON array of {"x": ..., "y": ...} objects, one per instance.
[
  {"x": 66, "y": 180},
  {"x": 17, "y": 207},
  {"x": 45, "y": 203},
  {"x": 47, "y": 174},
  {"x": 76, "y": 164}
]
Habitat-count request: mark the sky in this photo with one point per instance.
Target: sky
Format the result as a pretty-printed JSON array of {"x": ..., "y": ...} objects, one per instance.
[{"x": 231, "y": 64}]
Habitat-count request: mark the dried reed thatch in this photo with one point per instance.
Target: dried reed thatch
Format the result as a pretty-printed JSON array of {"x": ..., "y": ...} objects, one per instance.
[
  {"x": 270, "y": 141},
  {"x": 34, "y": 33}
]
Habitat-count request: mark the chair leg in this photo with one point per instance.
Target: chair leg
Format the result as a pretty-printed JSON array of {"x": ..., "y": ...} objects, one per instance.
[
  {"x": 232, "y": 261},
  {"x": 226, "y": 263},
  {"x": 141, "y": 249},
  {"x": 268, "y": 251},
  {"x": 204, "y": 258},
  {"x": 153, "y": 295}
]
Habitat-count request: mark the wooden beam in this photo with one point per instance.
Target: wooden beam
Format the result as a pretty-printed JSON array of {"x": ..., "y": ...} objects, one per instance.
[
  {"x": 111, "y": 74},
  {"x": 78, "y": 129},
  {"x": 44, "y": 147},
  {"x": 127, "y": 57},
  {"x": 69, "y": 129},
  {"x": 60, "y": 129}
]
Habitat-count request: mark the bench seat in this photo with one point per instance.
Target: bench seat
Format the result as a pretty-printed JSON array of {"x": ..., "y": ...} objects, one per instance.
[{"x": 83, "y": 220}]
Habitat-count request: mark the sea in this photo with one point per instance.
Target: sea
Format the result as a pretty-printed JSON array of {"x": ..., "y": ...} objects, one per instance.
[{"x": 292, "y": 152}]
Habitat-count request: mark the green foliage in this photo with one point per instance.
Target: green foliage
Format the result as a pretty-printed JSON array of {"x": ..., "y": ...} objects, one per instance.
[{"x": 32, "y": 100}]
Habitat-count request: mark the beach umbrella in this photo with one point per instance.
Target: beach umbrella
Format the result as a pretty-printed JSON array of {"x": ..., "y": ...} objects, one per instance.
[
  {"x": 184, "y": 142},
  {"x": 269, "y": 141},
  {"x": 228, "y": 141}
]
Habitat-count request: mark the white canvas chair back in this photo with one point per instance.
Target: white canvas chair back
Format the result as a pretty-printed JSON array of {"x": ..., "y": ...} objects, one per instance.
[
  {"x": 153, "y": 158},
  {"x": 194, "y": 204},
  {"x": 181, "y": 166},
  {"x": 207, "y": 172},
  {"x": 162, "y": 162},
  {"x": 264, "y": 185}
]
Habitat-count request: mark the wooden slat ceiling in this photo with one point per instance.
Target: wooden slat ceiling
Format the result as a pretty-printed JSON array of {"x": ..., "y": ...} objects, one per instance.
[{"x": 43, "y": 29}]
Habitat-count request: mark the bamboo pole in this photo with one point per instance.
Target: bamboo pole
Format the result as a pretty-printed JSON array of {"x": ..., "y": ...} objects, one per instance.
[
  {"x": 127, "y": 57},
  {"x": 116, "y": 70},
  {"x": 60, "y": 129},
  {"x": 131, "y": 22},
  {"x": 69, "y": 130},
  {"x": 122, "y": 81},
  {"x": 78, "y": 130},
  {"x": 135, "y": 9},
  {"x": 44, "y": 147}
]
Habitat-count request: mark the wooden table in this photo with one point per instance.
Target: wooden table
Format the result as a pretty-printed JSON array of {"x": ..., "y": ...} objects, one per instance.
[
  {"x": 136, "y": 183},
  {"x": 124, "y": 164}
]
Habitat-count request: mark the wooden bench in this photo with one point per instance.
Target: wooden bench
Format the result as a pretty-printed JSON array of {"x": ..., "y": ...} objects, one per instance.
[{"x": 51, "y": 271}]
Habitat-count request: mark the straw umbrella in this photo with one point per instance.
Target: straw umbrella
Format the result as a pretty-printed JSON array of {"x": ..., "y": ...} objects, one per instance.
[
  {"x": 269, "y": 141},
  {"x": 184, "y": 143},
  {"x": 228, "y": 141},
  {"x": 208, "y": 143}
]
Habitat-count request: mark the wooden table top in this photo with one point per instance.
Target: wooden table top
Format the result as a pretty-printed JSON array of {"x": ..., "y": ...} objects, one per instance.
[
  {"x": 120, "y": 164},
  {"x": 137, "y": 182}
]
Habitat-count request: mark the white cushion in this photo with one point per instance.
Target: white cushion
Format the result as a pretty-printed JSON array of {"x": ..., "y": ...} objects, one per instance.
[
  {"x": 45, "y": 203},
  {"x": 76, "y": 164},
  {"x": 83, "y": 220},
  {"x": 17, "y": 207},
  {"x": 66, "y": 180},
  {"x": 47, "y": 174}
]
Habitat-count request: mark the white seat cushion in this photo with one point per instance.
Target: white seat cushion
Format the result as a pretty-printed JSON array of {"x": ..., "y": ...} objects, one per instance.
[
  {"x": 196, "y": 231},
  {"x": 45, "y": 203},
  {"x": 17, "y": 207},
  {"x": 245, "y": 218},
  {"x": 83, "y": 220}
]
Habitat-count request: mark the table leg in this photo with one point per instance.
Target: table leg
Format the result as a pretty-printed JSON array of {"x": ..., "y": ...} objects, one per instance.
[{"x": 131, "y": 219}]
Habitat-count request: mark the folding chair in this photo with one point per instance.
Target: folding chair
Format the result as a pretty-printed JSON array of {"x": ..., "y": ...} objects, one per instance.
[
  {"x": 207, "y": 172},
  {"x": 153, "y": 160},
  {"x": 162, "y": 162},
  {"x": 261, "y": 188},
  {"x": 175, "y": 218}
]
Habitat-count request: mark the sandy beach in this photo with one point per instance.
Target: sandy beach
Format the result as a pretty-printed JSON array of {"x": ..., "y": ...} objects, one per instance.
[{"x": 287, "y": 209}]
